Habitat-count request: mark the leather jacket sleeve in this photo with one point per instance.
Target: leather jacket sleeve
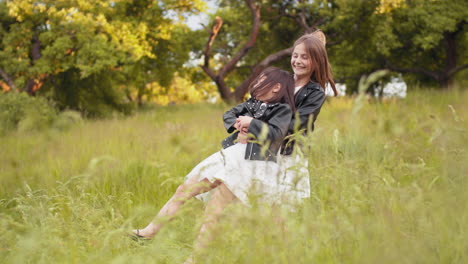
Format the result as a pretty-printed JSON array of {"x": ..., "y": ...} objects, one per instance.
[
  {"x": 310, "y": 106},
  {"x": 230, "y": 117},
  {"x": 277, "y": 125}
]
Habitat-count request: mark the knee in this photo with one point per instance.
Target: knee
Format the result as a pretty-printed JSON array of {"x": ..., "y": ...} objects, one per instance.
[
  {"x": 181, "y": 189},
  {"x": 222, "y": 195},
  {"x": 226, "y": 193}
]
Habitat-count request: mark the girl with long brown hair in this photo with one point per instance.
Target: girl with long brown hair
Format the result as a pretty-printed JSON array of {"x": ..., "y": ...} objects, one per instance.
[
  {"x": 231, "y": 173},
  {"x": 312, "y": 73}
]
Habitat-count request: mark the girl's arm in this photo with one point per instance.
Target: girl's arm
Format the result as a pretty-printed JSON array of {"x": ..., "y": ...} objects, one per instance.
[
  {"x": 230, "y": 117},
  {"x": 275, "y": 128}
]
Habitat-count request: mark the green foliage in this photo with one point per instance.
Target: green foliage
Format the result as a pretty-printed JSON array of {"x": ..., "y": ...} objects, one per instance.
[
  {"x": 98, "y": 95},
  {"x": 408, "y": 37},
  {"x": 181, "y": 91},
  {"x": 411, "y": 37},
  {"x": 276, "y": 33},
  {"x": 388, "y": 186},
  {"x": 22, "y": 112},
  {"x": 143, "y": 40},
  {"x": 364, "y": 84},
  {"x": 66, "y": 119}
]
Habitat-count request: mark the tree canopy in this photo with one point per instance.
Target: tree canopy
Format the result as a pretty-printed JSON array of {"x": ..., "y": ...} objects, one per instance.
[
  {"x": 134, "y": 41},
  {"x": 77, "y": 51},
  {"x": 424, "y": 40}
]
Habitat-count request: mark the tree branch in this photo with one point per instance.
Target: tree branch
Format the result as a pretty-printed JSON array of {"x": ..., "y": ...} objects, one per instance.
[
  {"x": 223, "y": 90},
  {"x": 431, "y": 74},
  {"x": 319, "y": 22},
  {"x": 270, "y": 59},
  {"x": 8, "y": 80},
  {"x": 451, "y": 72},
  {"x": 218, "y": 78},
  {"x": 214, "y": 32},
  {"x": 255, "y": 10},
  {"x": 302, "y": 21},
  {"x": 350, "y": 77}
]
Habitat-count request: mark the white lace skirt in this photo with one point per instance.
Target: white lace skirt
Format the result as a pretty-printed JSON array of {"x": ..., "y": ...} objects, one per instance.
[{"x": 285, "y": 182}]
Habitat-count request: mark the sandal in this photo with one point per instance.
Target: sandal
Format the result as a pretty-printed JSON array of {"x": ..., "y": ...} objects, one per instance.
[{"x": 137, "y": 237}]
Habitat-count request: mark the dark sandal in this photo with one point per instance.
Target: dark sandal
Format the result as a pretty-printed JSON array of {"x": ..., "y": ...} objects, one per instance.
[{"x": 137, "y": 237}]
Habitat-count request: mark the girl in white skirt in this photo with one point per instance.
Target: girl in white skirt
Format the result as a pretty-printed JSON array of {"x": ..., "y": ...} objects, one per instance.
[
  {"x": 247, "y": 163},
  {"x": 312, "y": 71}
]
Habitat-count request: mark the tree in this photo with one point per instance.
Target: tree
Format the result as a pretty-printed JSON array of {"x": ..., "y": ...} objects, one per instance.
[
  {"x": 43, "y": 40},
  {"x": 274, "y": 25},
  {"x": 230, "y": 64},
  {"x": 429, "y": 38},
  {"x": 424, "y": 40}
]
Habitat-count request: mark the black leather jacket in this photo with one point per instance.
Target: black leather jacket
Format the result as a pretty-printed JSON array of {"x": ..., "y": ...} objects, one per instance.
[
  {"x": 309, "y": 101},
  {"x": 274, "y": 118}
]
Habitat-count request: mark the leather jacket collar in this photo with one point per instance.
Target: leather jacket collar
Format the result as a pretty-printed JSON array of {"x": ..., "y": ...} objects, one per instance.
[{"x": 257, "y": 108}]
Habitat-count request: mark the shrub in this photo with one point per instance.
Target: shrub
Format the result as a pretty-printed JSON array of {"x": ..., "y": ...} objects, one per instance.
[
  {"x": 96, "y": 96},
  {"x": 66, "y": 119},
  {"x": 23, "y": 112}
]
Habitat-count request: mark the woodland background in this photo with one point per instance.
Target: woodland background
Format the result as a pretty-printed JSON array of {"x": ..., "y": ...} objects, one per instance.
[
  {"x": 101, "y": 56},
  {"x": 103, "y": 111}
]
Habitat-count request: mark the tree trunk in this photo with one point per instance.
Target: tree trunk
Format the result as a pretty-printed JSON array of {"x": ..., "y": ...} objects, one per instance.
[
  {"x": 218, "y": 77},
  {"x": 29, "y": 86},
  {"x": 450, "y": 69},
  {"x": 224, "y": 91},
  {"x": 450, "y": 59},
  {"x": 33, "y": 84},
  {"x": 140, "y": 100}
]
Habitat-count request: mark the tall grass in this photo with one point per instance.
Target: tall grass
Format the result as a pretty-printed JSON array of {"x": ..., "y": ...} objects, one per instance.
[{"x": 388, "y": 186}]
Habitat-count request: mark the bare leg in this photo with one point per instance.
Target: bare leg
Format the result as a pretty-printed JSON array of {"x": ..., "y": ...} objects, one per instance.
[
  {"x": 279, "y": 220},
  {"x": 221, "y": 197},
  {"x": 184, "y": 192}
]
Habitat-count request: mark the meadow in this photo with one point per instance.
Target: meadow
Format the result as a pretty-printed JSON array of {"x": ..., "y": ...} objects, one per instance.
[{"x": 389, "y": 185}]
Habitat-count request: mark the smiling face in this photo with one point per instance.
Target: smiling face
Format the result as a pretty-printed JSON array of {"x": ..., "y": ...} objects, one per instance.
[
  {"x": 301, "y": 62},
  {"x": 309, "y": 61}
]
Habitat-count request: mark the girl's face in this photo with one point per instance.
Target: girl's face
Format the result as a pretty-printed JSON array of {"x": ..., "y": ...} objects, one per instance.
[{"x": 301, "y": 62}]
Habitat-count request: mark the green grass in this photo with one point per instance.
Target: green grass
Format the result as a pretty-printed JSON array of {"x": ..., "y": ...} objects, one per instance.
[{"x": 388, "y": 186}]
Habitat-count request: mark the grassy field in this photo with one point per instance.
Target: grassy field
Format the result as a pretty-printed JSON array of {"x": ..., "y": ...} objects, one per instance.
[{"x": 389, "y": 185}]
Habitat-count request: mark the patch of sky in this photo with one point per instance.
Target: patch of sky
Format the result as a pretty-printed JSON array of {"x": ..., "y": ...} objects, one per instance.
[{"x": 197, "y": 21}]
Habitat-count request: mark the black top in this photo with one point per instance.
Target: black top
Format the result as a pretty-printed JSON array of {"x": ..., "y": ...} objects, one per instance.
[
  {"x": 308, "y": 100},
  {"x": 269, "y": 126}
]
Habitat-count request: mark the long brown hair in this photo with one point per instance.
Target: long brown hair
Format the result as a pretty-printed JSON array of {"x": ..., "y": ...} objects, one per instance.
[
  {"x": 267, "y": 79},
  {"x": 318, "y": 54}
]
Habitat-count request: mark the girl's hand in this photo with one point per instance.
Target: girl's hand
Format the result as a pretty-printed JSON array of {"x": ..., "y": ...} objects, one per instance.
[
  {"x": 237, "y": 125},
  {"x": 244, "y": 122}
]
